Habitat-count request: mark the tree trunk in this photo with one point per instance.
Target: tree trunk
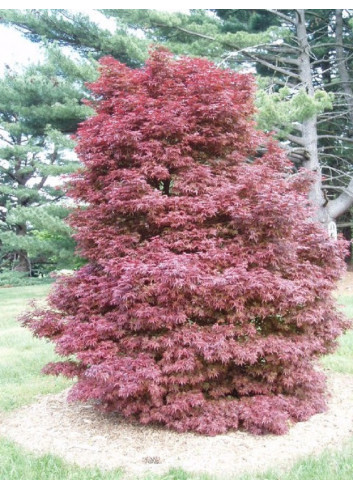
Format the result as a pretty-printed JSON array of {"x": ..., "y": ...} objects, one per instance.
[
  {"x": 342, "y": 68},
  {"x": 309, "y": 126},
  {"x": 343, "y": 202},
  {"x": 21, "y": 260}
]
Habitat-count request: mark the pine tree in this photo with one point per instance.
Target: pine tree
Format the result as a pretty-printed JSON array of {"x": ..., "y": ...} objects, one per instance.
[
  {"x": 37, "y": 108},
  {"x": 303, "y": 55},
  {"x": 46, "y": 99},
  {"x": 207, "y": 297},
  {"x": 73, "y": 29}
]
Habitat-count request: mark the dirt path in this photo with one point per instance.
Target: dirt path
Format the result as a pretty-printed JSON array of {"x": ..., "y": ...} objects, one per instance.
[{"x": 78, "y": 434}]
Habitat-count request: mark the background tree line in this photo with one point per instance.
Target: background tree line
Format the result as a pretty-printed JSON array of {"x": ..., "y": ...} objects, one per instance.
[{"x": 303, "y": 65}]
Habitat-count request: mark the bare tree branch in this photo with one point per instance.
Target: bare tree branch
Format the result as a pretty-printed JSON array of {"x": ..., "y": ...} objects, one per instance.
[
  {"x": 282, "y": 16},
  {"x": 342, "y": 203},
  {"x": 341, "y": 138},
  {"x": 251, "y": 56}
]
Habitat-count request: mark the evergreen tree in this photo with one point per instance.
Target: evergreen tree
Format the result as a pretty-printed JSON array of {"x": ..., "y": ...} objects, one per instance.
[
  {"x": 39, "y": 109},
  {"x": 73, "y": 29},
  {"x": 304, "y": 55},
  {"x": 208, "y": 293}
]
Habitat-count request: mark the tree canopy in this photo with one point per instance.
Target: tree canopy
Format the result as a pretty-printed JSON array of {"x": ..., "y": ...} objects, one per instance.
[
  {"x": 39, "y": 109},
  {"x": 207, "y": 296}
]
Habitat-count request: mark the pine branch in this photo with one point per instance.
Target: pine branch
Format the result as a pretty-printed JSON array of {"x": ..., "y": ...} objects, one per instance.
[
  {"x": 251, "y": 56},
  {"x": 40, "y": 184},
  {"x": 329, "y": 44},
  {"x": 337, "y": 136},
  {"x": 282, "y": 16},
  {"x": 342, "y": 203},
  {"x": 281, "y": 59}
]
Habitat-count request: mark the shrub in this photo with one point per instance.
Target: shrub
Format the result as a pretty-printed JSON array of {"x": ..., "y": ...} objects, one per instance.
[
  {"x": 10, "y": 278},
  {"x": 207, "y": 297}
]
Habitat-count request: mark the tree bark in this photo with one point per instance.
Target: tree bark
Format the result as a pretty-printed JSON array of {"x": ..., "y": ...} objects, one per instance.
[
  {"x": 342, "y": 67},
  {"x": 309, "y": 138},
  {"x": 22, "y": 262},
  {"x": 343, "y": 202}
]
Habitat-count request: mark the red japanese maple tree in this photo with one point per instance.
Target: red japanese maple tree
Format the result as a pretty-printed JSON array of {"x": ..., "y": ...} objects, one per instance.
[{"x": 207, "y": 297}]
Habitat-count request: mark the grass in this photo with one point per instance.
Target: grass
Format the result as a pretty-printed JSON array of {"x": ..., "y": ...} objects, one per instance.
[
  {"x": 21, "y": 355},
  {"x": 18, "y": 464},
  {"x": 21, "y": 382},
  {"x": 337, "y": 465},
  {"x": 342, "y": 360}
]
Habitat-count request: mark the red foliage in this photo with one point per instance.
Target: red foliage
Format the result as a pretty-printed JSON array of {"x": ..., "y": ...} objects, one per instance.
[{"x": 207, "y": 296}]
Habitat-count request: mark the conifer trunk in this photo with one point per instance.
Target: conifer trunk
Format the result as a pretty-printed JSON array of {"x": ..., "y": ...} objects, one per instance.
[
  {"x": 309, "y": 127},
  {"x": 342, "y": 203},
  {"x": 21, "y": 261}
]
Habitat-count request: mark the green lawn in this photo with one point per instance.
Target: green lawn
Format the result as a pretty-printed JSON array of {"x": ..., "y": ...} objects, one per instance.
[
  {"x": 21, "y": 355},
  {"x": 342, "y": 360},
  {"x": 21, "y": 381}
]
